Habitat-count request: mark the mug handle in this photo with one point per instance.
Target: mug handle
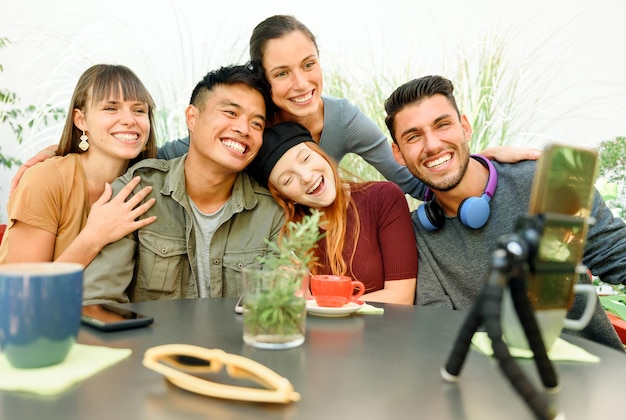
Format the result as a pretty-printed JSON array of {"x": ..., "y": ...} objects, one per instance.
[
  {"x": 360, "y": 289},
  {"x": 590, "y": 305}
]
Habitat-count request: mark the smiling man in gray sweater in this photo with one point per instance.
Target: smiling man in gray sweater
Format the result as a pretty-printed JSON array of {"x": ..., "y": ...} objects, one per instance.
[{"x": 431, "y": 138}]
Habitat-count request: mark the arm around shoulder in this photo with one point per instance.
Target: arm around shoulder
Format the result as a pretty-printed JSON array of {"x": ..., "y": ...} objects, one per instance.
[
  {"x": 364, "y": 138},
  {"x": 44, "y": 154},
  {"x": 174, "y": 148},
  {"x": 510, "y": 154}
]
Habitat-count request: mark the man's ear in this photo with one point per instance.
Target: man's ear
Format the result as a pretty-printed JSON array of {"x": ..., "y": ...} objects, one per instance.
[
  {"x": 467, "y": 127},
  {"x": 79, "y": 119},
  {"x": 191, "y": 115},
  {"x": 397, "y": 155}
]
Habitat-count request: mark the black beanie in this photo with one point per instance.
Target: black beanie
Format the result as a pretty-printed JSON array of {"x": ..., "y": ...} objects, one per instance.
[{"x": 276, "y": 141}]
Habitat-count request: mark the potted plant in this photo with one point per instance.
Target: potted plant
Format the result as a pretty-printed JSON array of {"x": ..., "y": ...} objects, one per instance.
[{"x": 274, "y": 298}]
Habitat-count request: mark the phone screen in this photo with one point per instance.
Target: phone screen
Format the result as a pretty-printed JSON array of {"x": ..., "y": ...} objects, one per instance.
[
  {"x": 564, "y": 185},
  {"x": 109, "y": 317}
]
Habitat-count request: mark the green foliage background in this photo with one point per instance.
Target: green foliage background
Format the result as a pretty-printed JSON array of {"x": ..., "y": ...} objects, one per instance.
[{"x": 22, "y": 118}]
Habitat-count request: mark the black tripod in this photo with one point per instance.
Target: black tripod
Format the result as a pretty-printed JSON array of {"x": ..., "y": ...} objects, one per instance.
[{"x": 514, "y": 258}]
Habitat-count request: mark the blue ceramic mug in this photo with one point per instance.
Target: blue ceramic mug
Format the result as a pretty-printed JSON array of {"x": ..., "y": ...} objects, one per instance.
[{"x": 40, "y": 308}]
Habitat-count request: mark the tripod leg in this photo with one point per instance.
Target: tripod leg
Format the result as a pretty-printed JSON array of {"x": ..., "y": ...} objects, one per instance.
[
  {"x": 511, "y": 370},
  {"x": 525, "y": 314},
  {"x": 451, "y": 370}
]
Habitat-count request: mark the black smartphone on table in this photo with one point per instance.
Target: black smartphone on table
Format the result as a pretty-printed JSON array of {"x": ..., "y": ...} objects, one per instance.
[{"x": 108, "y": 317}]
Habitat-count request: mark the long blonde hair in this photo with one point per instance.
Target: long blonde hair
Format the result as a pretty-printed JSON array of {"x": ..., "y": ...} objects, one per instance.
[{"x": 336, "y": 215}]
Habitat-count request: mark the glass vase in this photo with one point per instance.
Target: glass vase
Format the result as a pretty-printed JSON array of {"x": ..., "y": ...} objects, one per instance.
[{"x": 274, "y": 307}]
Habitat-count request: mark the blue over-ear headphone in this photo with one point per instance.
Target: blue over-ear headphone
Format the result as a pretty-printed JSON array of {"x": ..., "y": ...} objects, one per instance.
[{"x": 473, "y": 211}]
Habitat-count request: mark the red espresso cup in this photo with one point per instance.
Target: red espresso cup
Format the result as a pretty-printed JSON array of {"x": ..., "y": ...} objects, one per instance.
[{"x": 335, "y": 291}]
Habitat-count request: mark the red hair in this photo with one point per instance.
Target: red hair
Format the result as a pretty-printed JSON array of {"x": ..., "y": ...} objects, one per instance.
[{"x": 336, "y": 215}]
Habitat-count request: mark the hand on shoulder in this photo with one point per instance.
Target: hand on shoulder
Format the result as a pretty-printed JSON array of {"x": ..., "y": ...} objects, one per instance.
[
  {"x": 112, "y": 218},
  {"x": 511, "y": 154},
  {"x": 44, "y": 154}
]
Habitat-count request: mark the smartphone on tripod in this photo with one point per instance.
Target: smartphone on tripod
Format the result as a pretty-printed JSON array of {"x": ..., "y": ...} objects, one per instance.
[{"x": 562, "y": 194}]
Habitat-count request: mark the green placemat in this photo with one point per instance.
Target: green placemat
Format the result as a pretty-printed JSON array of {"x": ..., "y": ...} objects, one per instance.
[
  {"x": 82, "y": 362},
  {"x": 367, "y": 309},
  {"x": 561, "y": 350},
  {"x": 615, "y": 304}
]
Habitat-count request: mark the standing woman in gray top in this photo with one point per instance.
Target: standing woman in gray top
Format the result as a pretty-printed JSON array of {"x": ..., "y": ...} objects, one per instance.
[{"x": 287, "y": 51}]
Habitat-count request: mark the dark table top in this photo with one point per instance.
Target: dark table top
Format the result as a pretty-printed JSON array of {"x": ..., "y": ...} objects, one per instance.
[{"x": 362, "y": 366}]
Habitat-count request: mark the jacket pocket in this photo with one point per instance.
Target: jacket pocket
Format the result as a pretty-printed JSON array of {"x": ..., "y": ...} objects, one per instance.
[
  {"x": 234, "y": 262},
  {"x": 163, "y": 263}
]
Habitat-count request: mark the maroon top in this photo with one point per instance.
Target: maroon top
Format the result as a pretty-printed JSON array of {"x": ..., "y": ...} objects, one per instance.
[{"x": 386, "y": 249}]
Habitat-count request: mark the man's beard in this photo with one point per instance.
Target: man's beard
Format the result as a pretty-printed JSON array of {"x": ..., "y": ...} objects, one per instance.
[{"x": 451, "y": 181}]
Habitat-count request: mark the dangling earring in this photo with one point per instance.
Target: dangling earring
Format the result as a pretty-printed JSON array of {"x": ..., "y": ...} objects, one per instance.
[{"x": 83, "y": 145}]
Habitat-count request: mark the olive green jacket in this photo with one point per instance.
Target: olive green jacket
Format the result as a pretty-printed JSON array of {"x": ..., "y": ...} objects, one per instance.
[{"x": 159, "y": 260}]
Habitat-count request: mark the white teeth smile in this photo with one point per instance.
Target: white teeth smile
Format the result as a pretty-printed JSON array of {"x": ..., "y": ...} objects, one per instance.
[
  {"x": 438, "y": 162},
  {"x": 125, "y": 137},
  {"x": 238, "y": 147},
  {"x": 302, "y": 99},
  {"x": 316, "y": 185}
]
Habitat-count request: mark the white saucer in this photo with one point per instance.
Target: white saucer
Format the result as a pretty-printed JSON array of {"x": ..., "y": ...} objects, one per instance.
[{"x": 314, "y": 309}]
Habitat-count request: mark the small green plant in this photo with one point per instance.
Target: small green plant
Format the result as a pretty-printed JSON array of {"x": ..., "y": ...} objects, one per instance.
[
  {"x": 296, "y": 247},
  {"x": 276, "y": 307},
  {"x": 279, "y": 310}
]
